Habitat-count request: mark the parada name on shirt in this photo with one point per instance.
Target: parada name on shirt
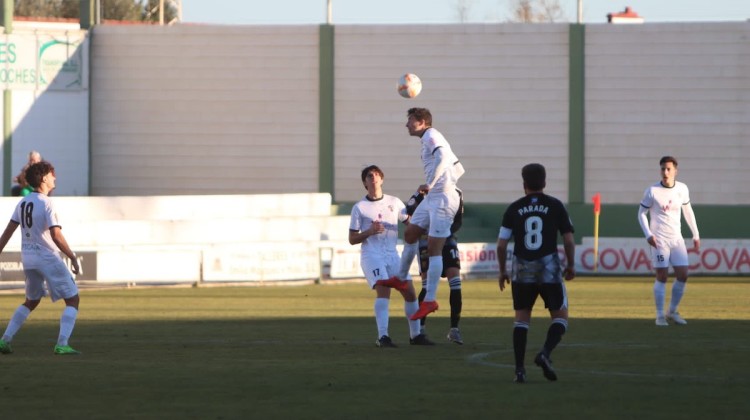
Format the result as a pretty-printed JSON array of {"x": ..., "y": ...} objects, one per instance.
[{"x": 533, "y": 209}]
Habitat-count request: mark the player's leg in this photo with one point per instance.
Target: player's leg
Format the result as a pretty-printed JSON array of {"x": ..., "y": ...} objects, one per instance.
[
  {"x": 553, "y": 292},
  {"x": 556, "y": 300},
  {"x": 434, "y": 271},
  {"x": 524, "y": 295},
  {"x": 61, "y": 285},
  {"x": 679, "y": 261},
  {"x": 375, "y": 270},
  {"x": 410, "y": 298},
  {"x": 424, "y": 265},
  {"x": 452, "y": 271},
  {"x": 418, "y": 225},
  {"x": 660, "y": 261},
  {"x": 381, "y": 308},
  {"x": 34, "y": 294}
]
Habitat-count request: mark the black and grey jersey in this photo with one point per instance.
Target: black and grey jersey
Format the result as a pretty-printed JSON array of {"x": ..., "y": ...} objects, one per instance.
[{"x": 535, "y": 221}]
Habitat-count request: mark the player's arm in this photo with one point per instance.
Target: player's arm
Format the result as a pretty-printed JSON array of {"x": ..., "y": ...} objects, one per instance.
[
  {"x": 502, "y": 253},
  {"x": 7, "y": 234},
  {"x": 643, "y": 220},
  {"x": 687, "y": 211},
  {"x": 413, "y": 202},
  {"x": 357, "y": 237},
  {"x": 569, "y": 245},
  {"x": 59, "y": 239}
]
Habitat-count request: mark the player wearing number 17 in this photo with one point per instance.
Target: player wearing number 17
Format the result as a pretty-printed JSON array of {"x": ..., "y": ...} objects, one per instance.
[{"x": 534, "y": 222}]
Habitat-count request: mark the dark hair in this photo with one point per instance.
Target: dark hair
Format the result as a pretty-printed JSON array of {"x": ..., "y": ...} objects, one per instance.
[
  {"x": 37, "y": 171},
  {"x": 666, "y": 159},
  {"x": 421, "y": 114},
  {"x": 534, "y": 176},
  {"x": 371, "y": 168}
]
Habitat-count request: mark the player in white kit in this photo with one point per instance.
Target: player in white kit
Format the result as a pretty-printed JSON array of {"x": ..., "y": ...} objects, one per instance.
[
  {"x": 436, "y": 212},
  {"x": 374, "y": 224},
  {"x": 665, "y": 202},
  {"x": 41, "y": 243}
]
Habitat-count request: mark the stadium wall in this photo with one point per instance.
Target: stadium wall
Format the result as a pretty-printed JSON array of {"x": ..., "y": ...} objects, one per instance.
[{"x": 203, "y": 109}]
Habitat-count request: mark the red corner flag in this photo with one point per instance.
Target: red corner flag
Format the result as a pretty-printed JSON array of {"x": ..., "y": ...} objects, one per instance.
[{"x": 597, "y": 200}]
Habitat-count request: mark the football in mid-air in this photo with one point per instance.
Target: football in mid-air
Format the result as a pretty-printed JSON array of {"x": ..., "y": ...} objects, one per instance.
[{"x": 409, "y": 85}]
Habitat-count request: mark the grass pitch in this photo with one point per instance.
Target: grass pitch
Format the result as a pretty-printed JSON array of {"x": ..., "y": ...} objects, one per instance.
[{"x": 308, "y": 352}]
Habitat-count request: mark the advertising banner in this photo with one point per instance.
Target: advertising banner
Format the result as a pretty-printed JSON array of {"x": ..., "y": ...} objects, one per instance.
[
  {"x": 43, "y": 61},
  {"x": 616, "y": 256},
  {"x": 11, "y": 267},
  {"x": 262, "y": 262}
]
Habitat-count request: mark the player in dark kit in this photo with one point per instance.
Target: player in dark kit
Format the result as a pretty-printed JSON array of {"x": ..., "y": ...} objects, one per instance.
[
  {"x": 533, "y": 222},
  {"x": 451, "y": 268}
]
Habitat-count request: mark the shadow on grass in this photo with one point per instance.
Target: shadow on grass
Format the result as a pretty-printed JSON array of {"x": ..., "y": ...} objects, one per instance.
[{"x": 330, "y": 368}]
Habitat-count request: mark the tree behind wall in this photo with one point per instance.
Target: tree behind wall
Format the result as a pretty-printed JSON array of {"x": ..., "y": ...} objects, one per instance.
[
  {"x": 128, "y": 10},
  {"x": 537, "y": 11}
]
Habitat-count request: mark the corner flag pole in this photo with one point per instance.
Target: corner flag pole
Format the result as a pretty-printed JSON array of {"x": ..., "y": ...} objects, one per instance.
[{"x": 597, "y": 200}]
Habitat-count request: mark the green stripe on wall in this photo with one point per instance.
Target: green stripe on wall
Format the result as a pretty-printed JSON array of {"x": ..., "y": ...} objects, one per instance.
[
  {"x": 576, "y": 113},
  {"x": 326, "y": 111}
]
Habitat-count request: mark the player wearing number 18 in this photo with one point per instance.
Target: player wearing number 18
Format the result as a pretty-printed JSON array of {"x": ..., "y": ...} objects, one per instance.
[
  {"x": 534, "y": 222},
  {"x": 42, "y": 242}
]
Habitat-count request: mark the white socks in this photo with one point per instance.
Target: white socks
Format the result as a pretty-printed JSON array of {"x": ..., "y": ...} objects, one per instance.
[
  {"x": 16, "y": 321},
  {"x": 67, "y": 322},
  {"x": 659, "y": 292},
  {"x": 678, "y": 289},
  {"x": 407, "y": 257},
  {"x": 433, "y": 277},
  {"x": 381, "y": 315},
  {"x": 414, "y": 326}
]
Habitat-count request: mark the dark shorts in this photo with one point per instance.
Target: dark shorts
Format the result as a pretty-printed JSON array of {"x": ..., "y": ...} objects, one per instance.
[
  {"x": 542, "y": 277},
  {"x": 450, "y": 256},
  {"x": 553, "y": 294}
]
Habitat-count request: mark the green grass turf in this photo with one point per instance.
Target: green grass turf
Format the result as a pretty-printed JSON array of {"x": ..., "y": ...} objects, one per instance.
[{"x": 308, "y": 352}]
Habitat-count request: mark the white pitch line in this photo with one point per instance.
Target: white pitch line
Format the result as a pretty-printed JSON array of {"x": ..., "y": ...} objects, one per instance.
[{"x": 479, "y": 358}]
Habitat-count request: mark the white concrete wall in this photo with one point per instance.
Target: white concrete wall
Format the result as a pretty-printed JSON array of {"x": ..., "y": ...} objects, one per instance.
[
  {"x": 680, "y": 89},
  {"x": 192, "y": 238},
  {"x": 499, "y": 93},
  {"x": 224, "y": 109},
  {"x": 201, "y": 109},
  {"x": 54, "y": 121},
  {"x": 56, "y": 124}
]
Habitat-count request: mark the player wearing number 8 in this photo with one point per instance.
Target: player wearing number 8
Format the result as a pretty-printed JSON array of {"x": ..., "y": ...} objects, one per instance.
[{"x": 533, "y": 222}]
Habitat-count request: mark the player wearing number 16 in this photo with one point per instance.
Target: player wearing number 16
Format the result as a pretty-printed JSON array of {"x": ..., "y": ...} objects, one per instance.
[
  {"x": 534, "y": 222},
  {"x": 41, "y": 243}
]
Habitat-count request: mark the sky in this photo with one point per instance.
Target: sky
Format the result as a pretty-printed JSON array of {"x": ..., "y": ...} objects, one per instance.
[{"x": 254, "y": 12}]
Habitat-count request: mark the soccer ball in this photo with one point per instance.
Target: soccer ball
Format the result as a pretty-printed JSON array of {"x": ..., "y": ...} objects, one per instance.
[{"x": 409, "y": 86}]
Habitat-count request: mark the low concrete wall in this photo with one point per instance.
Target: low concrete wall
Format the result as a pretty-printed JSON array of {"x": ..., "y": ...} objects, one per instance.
[{"x": 191, "y": 238}]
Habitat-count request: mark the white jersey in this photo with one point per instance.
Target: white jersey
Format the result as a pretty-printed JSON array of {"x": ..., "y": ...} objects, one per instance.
[
  {"x": 36, "y": 214},
  {"x": 389, "y": 211},
  {"x": 665, "y": 209},
  {"x": 441, "y": 166}
]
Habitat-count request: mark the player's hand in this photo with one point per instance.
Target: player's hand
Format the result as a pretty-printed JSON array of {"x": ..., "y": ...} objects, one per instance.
[
  {"x": 697, "y": 245},
  {"x": 503, "y": 280},
  {"x": 74, "y": 267},
  {"x": 569, "y": 273},
  {"x": 424, "y": 189},
  {"x": 377, "y": 227},
  {"x": 651, "y": 241}
]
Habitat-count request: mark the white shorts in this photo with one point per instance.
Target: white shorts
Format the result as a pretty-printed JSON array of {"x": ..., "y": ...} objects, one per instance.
[
  {"x": 379, "y": 267},
  {"x": 436, "y": 212},
  {"x": 668, "y": 252},
  {"x": 59, "y": 281}
]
